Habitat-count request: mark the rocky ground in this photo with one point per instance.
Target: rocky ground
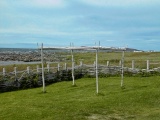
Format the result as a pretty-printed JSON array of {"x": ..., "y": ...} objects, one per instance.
[
  {"x": 20, "y": 56},
  {"x": 28, "y": 55}
]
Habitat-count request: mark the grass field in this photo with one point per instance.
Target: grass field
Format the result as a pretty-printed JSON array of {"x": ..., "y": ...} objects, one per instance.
[
  {"x": 140, "y": 58},
  {"x": 139, "y": 100}
]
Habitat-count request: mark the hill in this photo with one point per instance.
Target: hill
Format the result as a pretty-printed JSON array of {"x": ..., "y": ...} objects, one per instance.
[{"x": 140, "y": 100}]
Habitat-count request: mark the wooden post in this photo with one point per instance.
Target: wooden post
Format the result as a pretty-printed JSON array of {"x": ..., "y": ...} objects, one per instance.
[
  {"x": 28, "y": 71},
  {"x": 15, "y": 72},
  {"x": 132, "y": 64},
  {"x": 94, "y": 64},
  {"x": 72, "y": 67},
  {"x": 4, "y": 71},
  {"x": 48, "y": 67},
  {"x": 42, "y": 69},
  {"x": 81, "y": 63},
  {"x": 37, "y": 68},
  {"x": 58, "y": 67},
  {"x": 107, "y": 63},
  {"x": 120, "y": 63},
  {"x": 65, "y": 66},
  {"x": 122, "y": 71},
  {"x": 97, "y": 71},
  {"x": 147, "y": 65}
]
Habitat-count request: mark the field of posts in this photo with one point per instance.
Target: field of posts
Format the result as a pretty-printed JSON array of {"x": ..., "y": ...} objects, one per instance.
[
  {"x": 140, "y": 59},
  {"x": 139, "y": 99},
  {"x": 58, "y": 67}
]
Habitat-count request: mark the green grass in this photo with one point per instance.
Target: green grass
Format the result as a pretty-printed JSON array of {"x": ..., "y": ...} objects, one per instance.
[
  {"x": 140, "y": 100},
  {"x": 140, "y": 58}
]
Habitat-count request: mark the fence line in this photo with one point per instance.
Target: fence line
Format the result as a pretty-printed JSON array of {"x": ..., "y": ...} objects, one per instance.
[{"x": 90, "y": 68}]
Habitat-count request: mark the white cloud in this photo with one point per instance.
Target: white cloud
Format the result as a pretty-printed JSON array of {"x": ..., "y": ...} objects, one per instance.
[
  {"x": 49, "y": 3},
  {"x": 153, "y": 41},
  {"x": 37, "y": 30},
  {"x": 31, "y": 30},
  {"x": 39, "y": 3},
  {"x": 120, "y": 2},
  {"x": 35, "y": 20},
  {"x": 110, "y": 40}
]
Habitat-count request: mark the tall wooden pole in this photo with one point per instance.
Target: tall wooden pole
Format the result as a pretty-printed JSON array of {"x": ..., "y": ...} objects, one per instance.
[
  {"x": 15, "y": 72},
  {"x": 72, "y": 67},
  {"x": 122, "y": 71},
  {"x": 42, "y": 69},
  {"x": 97, "y": 71}
]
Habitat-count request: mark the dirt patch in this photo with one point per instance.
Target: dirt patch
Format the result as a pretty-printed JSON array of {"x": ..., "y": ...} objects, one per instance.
[
  {"x": 104, "y": 117},
  {"x": 109, "y": 117}
]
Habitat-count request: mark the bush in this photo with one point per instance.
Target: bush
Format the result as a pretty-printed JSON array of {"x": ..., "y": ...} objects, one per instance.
[
  {"x": 147, "y": 74},
  {"x": 10, "y": 83}
]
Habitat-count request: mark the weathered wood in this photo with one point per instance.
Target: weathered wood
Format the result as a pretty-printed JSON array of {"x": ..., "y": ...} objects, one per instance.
[
  {"x": 4, "y": 71},
  {"x": 28, "y": 69},
  {"x": 38, "y": 69},
  {"x": 147, "y": 65},
  {"x": 43, "y": 80},
  {"x": 48, "y": 67},
  {"x": 107, "y": 63},
  {"x": 65, "y": 66},
  {"x": 133, "y": 64}
]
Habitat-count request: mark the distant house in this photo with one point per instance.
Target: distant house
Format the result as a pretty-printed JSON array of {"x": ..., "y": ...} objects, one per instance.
[{"x": 138, "y": 51}]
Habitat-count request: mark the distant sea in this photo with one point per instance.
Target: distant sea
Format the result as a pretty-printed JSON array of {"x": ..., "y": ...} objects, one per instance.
[
  {"x": 3, "y": 63},
  {"x": 16, "y": 49}
]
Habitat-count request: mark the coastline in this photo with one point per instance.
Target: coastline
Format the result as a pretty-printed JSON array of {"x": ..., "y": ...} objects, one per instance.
[{"x": 4, "y": 63}]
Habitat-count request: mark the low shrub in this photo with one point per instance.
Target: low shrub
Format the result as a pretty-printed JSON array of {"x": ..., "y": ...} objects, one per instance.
[{"x": 10, "y": 83}]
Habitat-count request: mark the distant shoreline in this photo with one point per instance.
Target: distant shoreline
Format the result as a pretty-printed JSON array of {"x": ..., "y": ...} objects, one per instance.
[{"x": 4, "y": 63}]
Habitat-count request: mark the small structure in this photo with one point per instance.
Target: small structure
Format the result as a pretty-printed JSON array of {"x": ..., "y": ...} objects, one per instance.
[{"x": 85, "y": 48}]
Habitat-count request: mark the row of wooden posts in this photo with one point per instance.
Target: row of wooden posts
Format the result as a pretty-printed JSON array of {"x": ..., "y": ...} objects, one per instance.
[{"x": 28, "y": 70}]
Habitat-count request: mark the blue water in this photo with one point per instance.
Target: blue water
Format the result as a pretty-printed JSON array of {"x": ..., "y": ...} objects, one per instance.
[{"x": 17, "y": 50}]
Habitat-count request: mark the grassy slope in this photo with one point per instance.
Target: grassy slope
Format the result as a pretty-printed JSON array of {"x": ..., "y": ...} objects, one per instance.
[{"x": 139, "y": 100}]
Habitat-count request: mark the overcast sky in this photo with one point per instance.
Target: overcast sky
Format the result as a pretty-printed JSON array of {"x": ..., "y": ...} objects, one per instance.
[{"x": 116, "y": 23}]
